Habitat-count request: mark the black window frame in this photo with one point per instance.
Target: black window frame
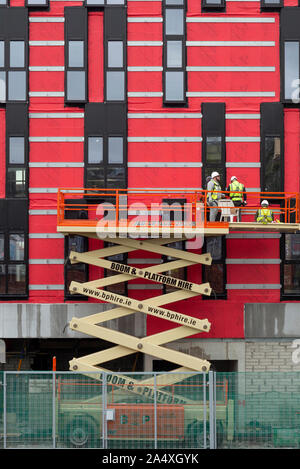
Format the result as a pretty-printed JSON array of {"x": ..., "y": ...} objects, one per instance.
[
  {"x": 105, "y": 120},
  {"x": 105, "y": 165},
  {"x": 115, "y": 29},
  {"x": 104, "y": 4},
  {"x": 289, "y": 32},
  {"x": 206, "y": 6},
  {"x": 287, "y": 296},
  {"x": 7, "y": 69},
  {"x": 46, "y": 4},
  {"x": 271, "y": 126},
  {"x": 68, "y": 267},
  {"x": 214, "y": 295},
  {"x": 271, "y": 6},
  {"x": 75, "y": 29},
  {"x": 182, "y": 69},
  {"x": 213, "y": 125},
  {"x": 17, "y": 126},
  {"x": 6, "y": 232}
]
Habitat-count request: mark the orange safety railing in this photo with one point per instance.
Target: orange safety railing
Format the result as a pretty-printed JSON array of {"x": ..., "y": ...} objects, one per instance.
[{"x": 150, "y": 208}]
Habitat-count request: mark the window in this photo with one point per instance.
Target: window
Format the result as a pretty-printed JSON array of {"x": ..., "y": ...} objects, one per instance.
[
  {"x": 180, "y": 273},
  {"x": 105, "y": 162},
  {"x": 115, "y": 74},
  {"x": 271, "y": 4},
  {"x": 75, "y": 55},
  {"x": 37, "y": 3},
  {"x": 290, "y": 267},
  {"x": 215, "y": 274},
  {"x": 291, "y": 70},
  {"x": 272, "y": 165},
  {"x": 13, "y": 75},
  {"x": 174, "y": 52},
  {"x": 13, "y": 269},
  {"x": 16, "y": 168},
  {"x": 94, "y": 3},
  {"x": 75, "y": 272},
  {"x": 289, "y": 54}
]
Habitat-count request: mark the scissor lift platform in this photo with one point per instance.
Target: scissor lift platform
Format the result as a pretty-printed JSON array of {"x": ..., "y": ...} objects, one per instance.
[{"x": 151, "y": 221}]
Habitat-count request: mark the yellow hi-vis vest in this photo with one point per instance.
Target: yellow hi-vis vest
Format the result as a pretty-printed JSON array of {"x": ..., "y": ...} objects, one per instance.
[
  {"x": 236, "y": 186},
  {"x": 264, "y": 216},
  {"x": 217, "y": 187}
]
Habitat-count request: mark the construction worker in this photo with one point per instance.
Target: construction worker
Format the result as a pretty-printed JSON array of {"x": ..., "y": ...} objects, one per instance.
[
  {"x": 264, "y": 214},
  {"x": 214, "y": 195},
  {"x": 235, "y": 188}
]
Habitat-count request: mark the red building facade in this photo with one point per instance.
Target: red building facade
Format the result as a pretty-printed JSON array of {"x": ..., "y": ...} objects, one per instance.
[{"x": 147, "y": 95}]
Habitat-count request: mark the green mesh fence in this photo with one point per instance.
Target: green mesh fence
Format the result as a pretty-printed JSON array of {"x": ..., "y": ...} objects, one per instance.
[
  {"x": 149, "y": 410},
  {"x": 1, "y": 409}
]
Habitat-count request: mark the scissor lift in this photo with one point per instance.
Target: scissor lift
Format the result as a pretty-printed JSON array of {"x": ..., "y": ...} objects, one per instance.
[{"x": 121, "y": 234}]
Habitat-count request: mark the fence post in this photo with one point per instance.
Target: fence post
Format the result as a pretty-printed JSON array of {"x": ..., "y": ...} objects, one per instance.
[
  {"x": 4, "y": 411},
  {"x": 53, "y": 409},
  {"x": 212, "y": 410},
  {"x": 104, "y": 404},
  {"x": 155, "y": 413}
]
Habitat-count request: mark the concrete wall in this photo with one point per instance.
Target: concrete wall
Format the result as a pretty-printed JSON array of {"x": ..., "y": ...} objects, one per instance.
[{"x": 44, "y": 321}]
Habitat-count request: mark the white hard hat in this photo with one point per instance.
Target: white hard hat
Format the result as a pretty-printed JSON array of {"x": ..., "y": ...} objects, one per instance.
[
  {"x": 264, "y": 202},
  {"x": 232, "y": 178},
  {"x": 214, "y": 174}
]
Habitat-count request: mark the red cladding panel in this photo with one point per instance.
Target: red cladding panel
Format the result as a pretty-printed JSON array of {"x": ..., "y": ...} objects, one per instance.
[
  {"x": 46, "y": 31},
  {"x": 43, "y": 224},
  {"x": 168, "y": 151},
  {"x": 56, "y": 177},
  {"x": 145, "y": 32},
  {"x": 56, "y": 127},
  {"x": 56, "y": 151},
  {"x": 46, "y": 248},
  {"x": 243, "y": 127},
  {"x": 150, "y": 56},
  {"x": 231, "y": 31},
  {"x": 252, "y": 296},
  {"x": 242, "y": 151},
  {"x": 232, "y": 56},
  {"x": 144, "y": 8},
  {"x": 253, "y": 248},
  {"x": 144, "y": 81},
  {"x": 249, "y": 274},
  {"x": 158, "y": 177},
  {"x": 290, "y": 3},
  {"x": 237, "y": 81},
  {"x": 16, "y": 3},
  {"x": 46, "y": 56},
  {"x": 95, "y": 56},
  {"x": 164, "y": 127},
  {"x": 46, "y": 274},
  {"x": 46, "y": 81}
]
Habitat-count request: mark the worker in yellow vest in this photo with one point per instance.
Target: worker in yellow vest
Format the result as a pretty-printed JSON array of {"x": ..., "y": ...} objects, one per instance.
[
  {"x": 264, "y": 214},
  {"x": 214, "y": 195},
  {"x": 235, "y": 188}
]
